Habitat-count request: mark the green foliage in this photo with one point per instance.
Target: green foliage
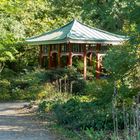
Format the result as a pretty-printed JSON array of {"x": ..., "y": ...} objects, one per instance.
[
  {"x": 42, "y": 107},
  {"x": 75, "y": 114},
  {"x": 34, "y": 20},
  {"x": 109, "y": 15},
  {"x": 8, "y": 74},
  {"x": 22, "y": 19},
  {"x": 91, "y": 111},
  {"x": 71, "y": 75},
  {"x": 101, "y": 91},
  {"x": 24, "y": 86},
  {"x": 79, "y": 87},
  {"x": 78, "y": 115},
  {"x": 61, "y": 73},
  {"x": 4, "y": 90},
  {"x": 123, "y": 66},
  {"x": 96, "y": 135},
  {"x": 6, "y": 54}
]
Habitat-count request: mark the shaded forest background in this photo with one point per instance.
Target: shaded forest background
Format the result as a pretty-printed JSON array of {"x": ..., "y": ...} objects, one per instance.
[{"x": 95, "y": 107}]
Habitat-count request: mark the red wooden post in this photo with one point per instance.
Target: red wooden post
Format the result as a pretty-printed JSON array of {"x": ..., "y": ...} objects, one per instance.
[
  {"x": 97, "y": 61},
  {"x": 40, "y": 56},
  {"x": 70, "y": 54},
  {"x": 59, "y": 55},
  {"x": 90, "y": 57},
  {"x": 50, "y": 56},
  {"x": 67, "y": 60},
  {"x": 85, "y": 62}
]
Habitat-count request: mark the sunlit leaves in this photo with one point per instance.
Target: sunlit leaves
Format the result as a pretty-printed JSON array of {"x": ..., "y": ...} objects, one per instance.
[{"x": 122, "y": 62}]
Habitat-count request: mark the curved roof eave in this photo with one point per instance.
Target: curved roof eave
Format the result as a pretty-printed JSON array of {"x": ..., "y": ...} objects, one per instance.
[{"x": 113, "y": 42}]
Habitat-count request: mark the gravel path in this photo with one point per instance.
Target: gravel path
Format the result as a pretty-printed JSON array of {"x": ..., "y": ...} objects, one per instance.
[{"x": 17, "y": 124}]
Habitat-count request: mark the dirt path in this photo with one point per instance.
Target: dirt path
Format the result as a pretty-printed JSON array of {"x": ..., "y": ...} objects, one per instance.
[{"x": 17, "y": 124}]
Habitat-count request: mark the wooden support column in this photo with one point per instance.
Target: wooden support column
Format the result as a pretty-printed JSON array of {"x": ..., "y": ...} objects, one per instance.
[
  {"x": 97, "y": 61},
  {"x": 90, "y": 57},
  {"x": 40, "y": 56},
  {"x": 59, "y": 55},
  {"x": 50, "y": 56},
  {"x": 67, "y": 60},
  {"x": 85, "y": 62},
  {"x": 70, "y": 54}
]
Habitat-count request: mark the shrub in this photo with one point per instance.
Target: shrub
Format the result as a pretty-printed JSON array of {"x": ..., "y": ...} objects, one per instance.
[
  {"x": 96, "y": 135},
  {"x": 101, "y": 91},
  {"x": 17, "y": 94},
  {"x": 4, "y": 96},
  {"x": 46, "y": 92},
  {"x": 42, "y": 107},
  {"x": 4, "y": 84},
  {"x": 25, "y": 86},
  {"x": 8, "y": 74},
  {"x": 4, "y": 90},
  {"x": 46, "y": 106},
  {"x": 80, "y": 115},
  {"x": 79, "y": 87}
]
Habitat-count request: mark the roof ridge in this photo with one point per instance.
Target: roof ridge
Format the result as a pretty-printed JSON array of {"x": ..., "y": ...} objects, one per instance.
[{"x": 73, "y": 21}]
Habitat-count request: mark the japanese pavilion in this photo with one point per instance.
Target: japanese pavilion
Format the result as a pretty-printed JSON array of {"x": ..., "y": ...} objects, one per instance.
[{"x": 75, "y": 39}]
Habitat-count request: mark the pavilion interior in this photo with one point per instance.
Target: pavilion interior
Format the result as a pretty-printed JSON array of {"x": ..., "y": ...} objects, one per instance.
[{"x": 77, "y": 55}]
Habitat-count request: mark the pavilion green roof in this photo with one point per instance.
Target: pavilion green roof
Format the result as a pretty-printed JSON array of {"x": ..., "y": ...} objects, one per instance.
[{"x": 76, "y": 32}]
